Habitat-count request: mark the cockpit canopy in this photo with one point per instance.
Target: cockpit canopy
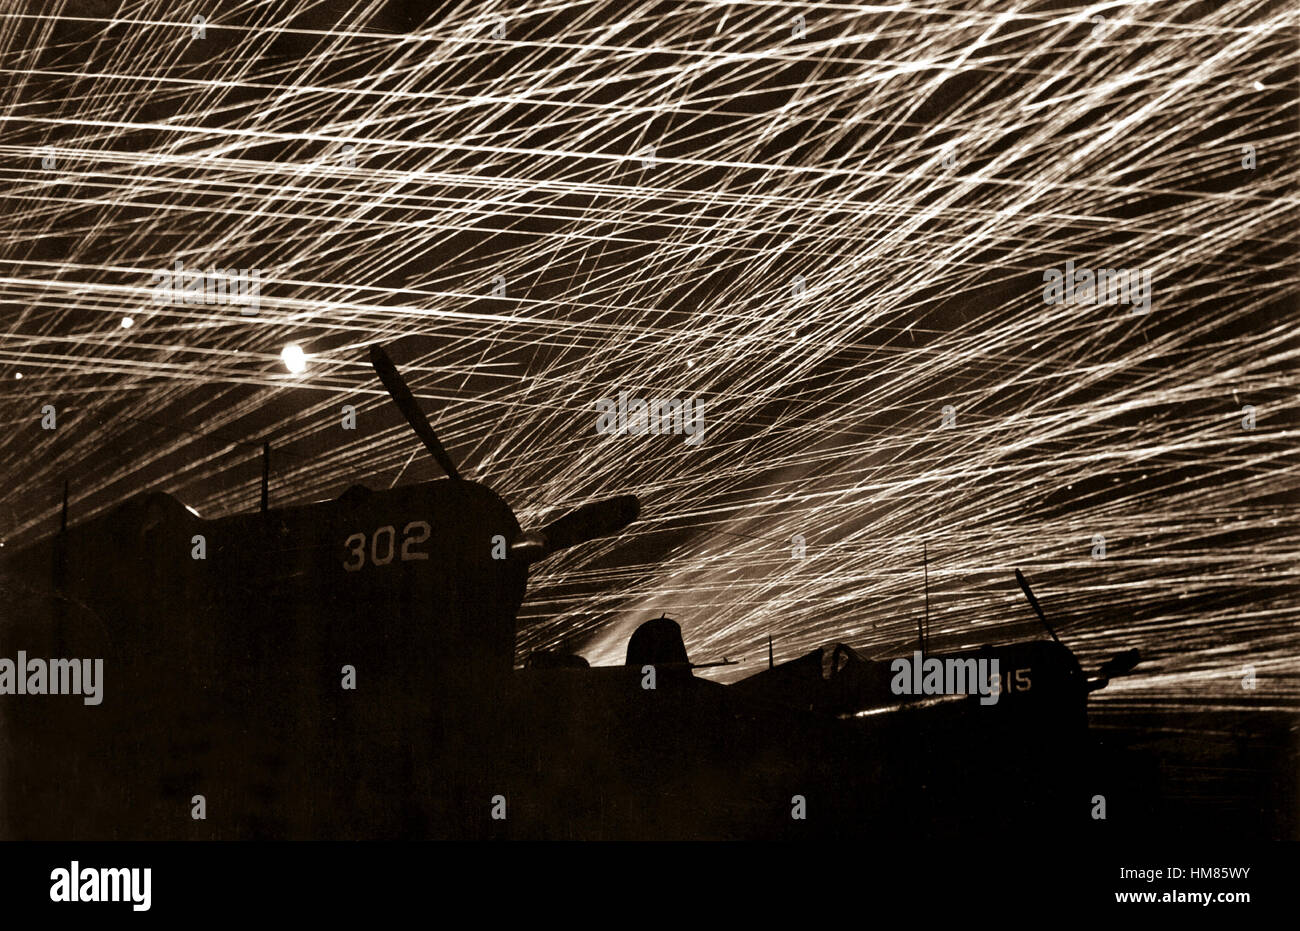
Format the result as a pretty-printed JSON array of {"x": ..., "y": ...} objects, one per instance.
[{"x": 657, "y": 642}]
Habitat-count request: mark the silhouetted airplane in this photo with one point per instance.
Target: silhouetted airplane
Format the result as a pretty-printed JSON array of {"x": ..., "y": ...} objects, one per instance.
[{"x": 344, "y": 669}]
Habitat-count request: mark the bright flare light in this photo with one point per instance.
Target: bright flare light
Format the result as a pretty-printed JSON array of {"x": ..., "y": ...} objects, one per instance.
[{"x": 295, "y": 360}]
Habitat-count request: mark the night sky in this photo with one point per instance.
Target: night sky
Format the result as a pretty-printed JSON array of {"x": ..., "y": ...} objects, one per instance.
[{"x": 826, "y": 222}]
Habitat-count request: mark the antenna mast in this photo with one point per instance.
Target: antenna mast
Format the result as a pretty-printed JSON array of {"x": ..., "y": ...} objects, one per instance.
[
  {"x": 266, "y": 475},
  {"x": 925, "y": 564}
]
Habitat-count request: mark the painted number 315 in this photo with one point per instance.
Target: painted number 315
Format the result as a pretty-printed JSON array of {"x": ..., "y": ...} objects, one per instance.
[{"x": 383, "y": 545}]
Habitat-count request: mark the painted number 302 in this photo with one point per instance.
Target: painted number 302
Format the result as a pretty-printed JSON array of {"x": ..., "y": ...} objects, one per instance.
[{"x": 383, "y": 546}]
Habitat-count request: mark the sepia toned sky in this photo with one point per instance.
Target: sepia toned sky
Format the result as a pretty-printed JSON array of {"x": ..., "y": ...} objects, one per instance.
[{"x": 824, "y": 222}]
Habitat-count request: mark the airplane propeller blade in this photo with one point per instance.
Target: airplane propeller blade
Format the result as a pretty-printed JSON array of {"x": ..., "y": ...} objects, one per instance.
[
  {"x": 1118, "y": 665},
  {"x": 409, "y": 407},
  {"x": 1033, "y": 603},
  {"x": 596, "y": 519},
  {"x": 1121, "y": 664}
]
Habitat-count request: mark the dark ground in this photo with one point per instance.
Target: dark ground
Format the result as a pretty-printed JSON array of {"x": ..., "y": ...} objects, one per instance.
[
  {"x": 1226, "y": 775},
  {"x": 1168, "y": 769}
]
